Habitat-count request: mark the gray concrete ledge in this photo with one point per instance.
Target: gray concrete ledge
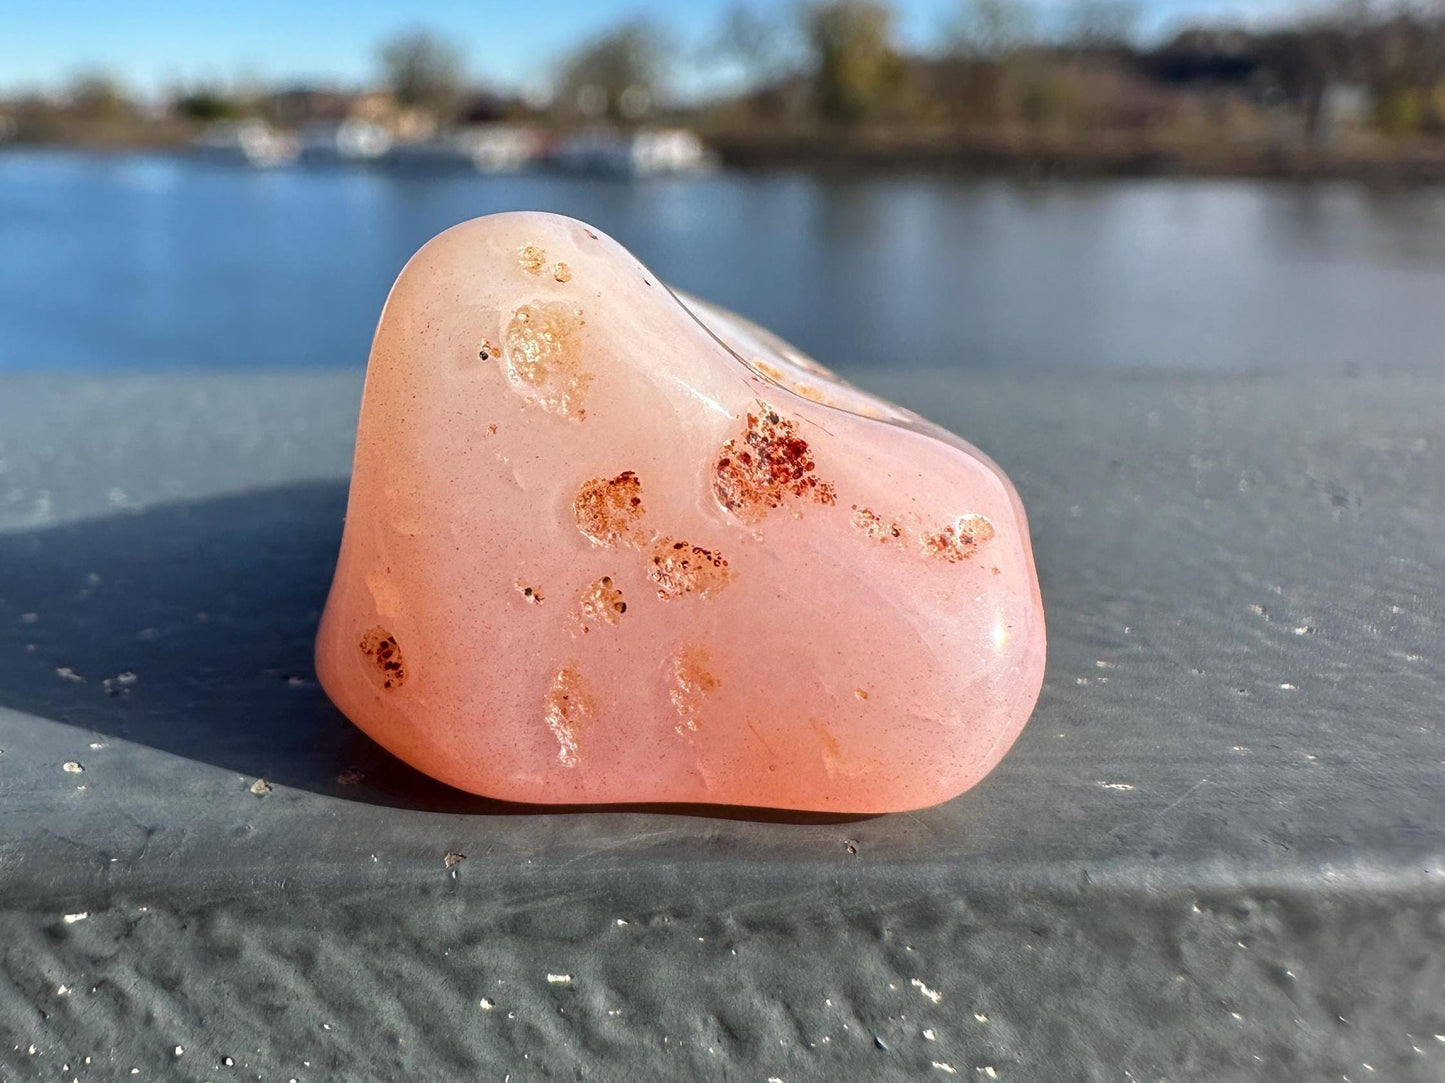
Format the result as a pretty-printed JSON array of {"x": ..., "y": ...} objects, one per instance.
[{"x": 1217, "y": 852}]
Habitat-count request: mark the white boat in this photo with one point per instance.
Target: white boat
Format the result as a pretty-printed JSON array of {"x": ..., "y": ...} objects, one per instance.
[
  {"x": 349, "y": 140},
  {"x": 646, "y": 153},
  {"x": 500, "y": 148},
  {"x": 252, "y": 141}
]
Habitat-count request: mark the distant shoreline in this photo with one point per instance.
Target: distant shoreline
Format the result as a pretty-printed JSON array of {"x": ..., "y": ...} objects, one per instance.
[{"x": 1102, "y": 157}]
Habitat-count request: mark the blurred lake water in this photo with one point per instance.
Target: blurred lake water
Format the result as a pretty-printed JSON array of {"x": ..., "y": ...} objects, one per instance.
[{"x": 156, "y": 262}]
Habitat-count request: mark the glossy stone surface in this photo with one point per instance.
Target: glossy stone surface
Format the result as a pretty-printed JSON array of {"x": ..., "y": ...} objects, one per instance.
[{"x": 608, "y": 544}]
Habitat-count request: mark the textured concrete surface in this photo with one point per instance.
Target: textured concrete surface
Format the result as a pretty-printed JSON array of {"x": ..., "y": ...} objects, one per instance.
[{"x": 1217, "y": 852}]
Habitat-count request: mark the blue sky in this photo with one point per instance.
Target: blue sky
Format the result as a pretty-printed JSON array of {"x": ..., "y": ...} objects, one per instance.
[{"x": 152, "y": 43}]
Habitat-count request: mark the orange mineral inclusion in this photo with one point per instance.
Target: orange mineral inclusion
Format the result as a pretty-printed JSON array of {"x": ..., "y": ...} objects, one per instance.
[{"x": 606, "y": 543}]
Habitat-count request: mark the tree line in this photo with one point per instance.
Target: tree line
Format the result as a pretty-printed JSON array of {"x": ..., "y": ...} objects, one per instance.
[{"x": 995, "y": 65}]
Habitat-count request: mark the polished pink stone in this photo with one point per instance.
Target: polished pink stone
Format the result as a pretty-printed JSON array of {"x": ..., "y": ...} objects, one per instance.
[{"x": 610, "y": 544}]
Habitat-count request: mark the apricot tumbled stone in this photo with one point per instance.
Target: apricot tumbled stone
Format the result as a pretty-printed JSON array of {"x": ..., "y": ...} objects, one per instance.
[{"x": 608, "y": 543}]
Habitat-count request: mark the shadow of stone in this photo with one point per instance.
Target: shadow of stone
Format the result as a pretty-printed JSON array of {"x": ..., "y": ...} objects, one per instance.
[{"x": 212, "y": 606}]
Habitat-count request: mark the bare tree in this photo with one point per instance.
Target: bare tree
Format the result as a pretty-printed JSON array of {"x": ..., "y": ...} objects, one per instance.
[
  {"x": 758, "y": 44},
  {"x": 1297, "y": 65},
  {"x": 618, "y": 75},
  {"x": 98, "y": 95},
  {"x": 423, "y": 71},
  {"x": 1102, "y": 24},
  {"x": 983, "y": 53},
  {"x": 992, "y": 29},
  {"x": 857, "y": 67}
]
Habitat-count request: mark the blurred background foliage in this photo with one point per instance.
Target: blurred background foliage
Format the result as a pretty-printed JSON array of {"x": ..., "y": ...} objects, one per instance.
[{"x": 829, "y": 78}]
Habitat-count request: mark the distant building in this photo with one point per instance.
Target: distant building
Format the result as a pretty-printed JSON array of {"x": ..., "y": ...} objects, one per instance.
[
  {"x": 1206, "y": 57},
  {"x": 482, "y": 108},
  {"x": 377, "y": 106}
]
